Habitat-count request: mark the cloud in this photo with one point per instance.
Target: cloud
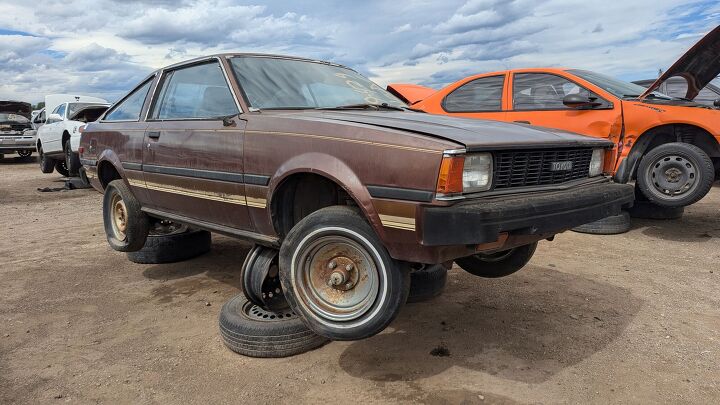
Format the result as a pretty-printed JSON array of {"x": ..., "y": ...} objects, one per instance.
[{"x": 105, "y": 47}]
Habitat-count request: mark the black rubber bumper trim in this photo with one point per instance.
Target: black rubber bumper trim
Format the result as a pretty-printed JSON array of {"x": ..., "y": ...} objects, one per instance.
[
  {"x": 132, "y": 166},
  {"x": 396, "y": 193},
  {"x": 476, "y": 222}
]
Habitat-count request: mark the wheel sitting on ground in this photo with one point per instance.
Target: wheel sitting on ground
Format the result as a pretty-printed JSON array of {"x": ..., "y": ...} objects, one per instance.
[
  {"x": 338, "y": 276},
  {"x": 126, "y": 226},
  {"x": 648, "y": 210},
  {"x": 47, "y": 165},
  {"x": 675, "y": 175},
  {"x": 168, "y": 242},
  {"x": 252, "y": 331},
  {"x": 498, "y": 264},
  {"x": 61, "y": 168},
  {"x": 612, "y": 225},
  {"x": 427, "y": 282},
  {"x": 72, "y": 160},
  {"x": 261, "y": 279}
]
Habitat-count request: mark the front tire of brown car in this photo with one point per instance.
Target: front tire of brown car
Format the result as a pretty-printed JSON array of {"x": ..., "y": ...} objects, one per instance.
[
  {"x": 126, "y": 226},
  {"x": 498, "y": 264},
  {"x": 338, "y": 276}
]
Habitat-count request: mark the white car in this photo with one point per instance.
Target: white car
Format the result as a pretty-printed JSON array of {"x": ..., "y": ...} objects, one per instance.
[
  {"x": 59, "y": 137},
  {"x": 16, "y": 132}
]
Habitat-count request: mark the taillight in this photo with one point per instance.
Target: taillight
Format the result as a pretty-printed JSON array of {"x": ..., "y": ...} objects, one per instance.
[
  {"x": 450, "y": 178},
  {"x": 81, "y": 150},
  {"x": 81, "y": 128}
]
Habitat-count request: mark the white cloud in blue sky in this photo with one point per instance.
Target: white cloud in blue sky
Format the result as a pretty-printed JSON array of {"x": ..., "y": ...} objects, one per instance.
[{"x": 104, "y": 47}]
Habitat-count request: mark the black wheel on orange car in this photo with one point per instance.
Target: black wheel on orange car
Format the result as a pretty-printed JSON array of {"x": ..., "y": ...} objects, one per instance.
[
  {"x": 427, "y": 282},
  {"x": 61, "y": 168},
  {"x": 126, "y": 226},
  {"x": 498, "y": 264},
  {"x": 338, "y": 276},
  {"x": 260, "y": 276},
  {"x": 253, "y": 331},
  {"x": 72, "y": 160},
  {"x": 47, "y": 165},
  {"x": 170, "y": 242},
  {"x": 675, "y": 174}
]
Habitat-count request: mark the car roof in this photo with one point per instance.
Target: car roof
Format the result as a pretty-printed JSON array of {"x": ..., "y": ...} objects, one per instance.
[
  {"x": 247, "y": 54},
  {"x": 519, "y": 70}
]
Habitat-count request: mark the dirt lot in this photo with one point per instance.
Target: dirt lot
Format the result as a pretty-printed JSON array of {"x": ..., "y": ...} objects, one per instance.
[{"x": 629, "y": 318}]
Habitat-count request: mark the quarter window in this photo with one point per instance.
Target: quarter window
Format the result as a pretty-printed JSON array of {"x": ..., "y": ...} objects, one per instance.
[
  {"x": 198, "y": 91},
  {"x": 542, "y": 91},
  {"x": 484, "y": 94},
  {"x": 130, "y": 108}
]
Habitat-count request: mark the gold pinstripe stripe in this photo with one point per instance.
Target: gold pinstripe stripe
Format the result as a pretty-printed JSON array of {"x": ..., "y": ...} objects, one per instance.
[
  {"x": 323, "y": 137},
  {"x": 392, "y": 221},
  {"x": 207, "y": 195}
]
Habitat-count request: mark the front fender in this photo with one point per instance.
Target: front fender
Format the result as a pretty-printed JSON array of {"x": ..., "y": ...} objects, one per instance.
[{"x": 333, "y": 169}]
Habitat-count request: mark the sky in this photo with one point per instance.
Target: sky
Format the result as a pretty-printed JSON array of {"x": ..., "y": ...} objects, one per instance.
[{"x": 104, "y": 48}]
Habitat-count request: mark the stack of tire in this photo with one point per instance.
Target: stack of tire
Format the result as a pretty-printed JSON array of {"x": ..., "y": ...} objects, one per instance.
[{"x": 263, "y": 324}]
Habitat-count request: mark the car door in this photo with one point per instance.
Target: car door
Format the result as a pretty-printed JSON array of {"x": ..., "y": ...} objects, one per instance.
[
  {"x": 537, "y": 99},
  {"x": 50, "y": 134},
  {"x": 482, "y": 98},
  {"x": 193, "y": 162}
]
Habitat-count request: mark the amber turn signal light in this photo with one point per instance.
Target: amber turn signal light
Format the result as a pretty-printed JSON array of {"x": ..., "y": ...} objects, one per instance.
[{"x": 450, "y": 179}]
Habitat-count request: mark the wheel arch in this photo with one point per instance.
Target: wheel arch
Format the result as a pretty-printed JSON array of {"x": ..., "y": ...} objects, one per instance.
[
  {"x": 662, "y": 134},
  {"x": 109, "y": 168},
  {"x": 324, "y": 170},
  {"x": 65, "y": 137}
]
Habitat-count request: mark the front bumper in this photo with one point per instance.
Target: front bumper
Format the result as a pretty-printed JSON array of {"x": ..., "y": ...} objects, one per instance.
[
  {"x": 15, "y": 143},
  {"x": 483, "y": 221}
]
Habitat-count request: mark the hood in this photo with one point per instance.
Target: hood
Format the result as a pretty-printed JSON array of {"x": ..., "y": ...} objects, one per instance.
[
  {"x": 475, "y": 135},
  {"x": 16, "y": 107},
  {"x": 698, "y": 66}
]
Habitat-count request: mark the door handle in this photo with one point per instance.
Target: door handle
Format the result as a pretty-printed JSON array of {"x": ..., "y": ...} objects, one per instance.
[
  {"x": 153, "y": 134},
  {"x": 523, "y": 122}
]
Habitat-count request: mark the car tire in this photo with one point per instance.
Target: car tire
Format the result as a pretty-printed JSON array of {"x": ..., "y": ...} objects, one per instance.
[
  {"x": 252, "y": 331},
  {"x": 25, "y": 155},
  {"x": 61, "y": 168},
  {"x": 648, "y": 210},
  {"x": 72, "y": 160},
  {"x": 47, "y": 165},
  {"x": 427, "y": 283},
  {"x": 612, "y": 225},
  {"x": 499, "y": 264},
  {"x": 126, "y": 226},
  {"x": 360, "y": 295},
  {"x": 172, "y": 248},
  {"x": 675, "y": 175}
]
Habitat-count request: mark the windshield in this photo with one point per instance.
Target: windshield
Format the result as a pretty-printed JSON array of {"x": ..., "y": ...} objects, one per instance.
[
  {"x": 75, "y": 107},
  {"x": 616, "y": 87},
  {"x": 272, "y": 83},
  {"x": 5, "y": 117}
]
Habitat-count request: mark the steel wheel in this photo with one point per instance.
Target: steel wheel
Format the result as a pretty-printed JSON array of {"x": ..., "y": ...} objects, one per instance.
[
  {"x": 260, "y": 277},
  {"x": 24, "y": 153},
  {"x": 166, "y": 228},
  {"x": 119, "y": 217},
  {"x": 337, "y": 278},
  {"x": 673, "y": 175}
]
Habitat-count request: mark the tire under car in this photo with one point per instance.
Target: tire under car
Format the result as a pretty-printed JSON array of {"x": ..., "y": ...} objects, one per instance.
[
  {"x": 612, "y": 225},
  {"x": 427, "y": 283},
  {"x": 172, "y": 248}
]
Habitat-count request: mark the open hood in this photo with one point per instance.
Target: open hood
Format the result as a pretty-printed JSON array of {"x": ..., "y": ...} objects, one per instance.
[
  {"x": 16, "y": 107},
  {"x": 698, "y": 66}
]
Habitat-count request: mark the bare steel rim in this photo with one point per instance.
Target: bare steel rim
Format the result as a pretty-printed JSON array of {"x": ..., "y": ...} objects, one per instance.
[
  {"x": 339, "y": 277},
  {"x": 495, "y": 257},
  {"x": 672, "y": 176},
  {"x": 118, "y": 216},
  {"x": 251, "y": 311},
  {"x": 24, "y": 153}
]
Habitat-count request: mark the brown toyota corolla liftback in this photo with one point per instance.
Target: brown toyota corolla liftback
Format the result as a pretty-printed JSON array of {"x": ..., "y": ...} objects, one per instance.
[{"x": 337, "y": 181}]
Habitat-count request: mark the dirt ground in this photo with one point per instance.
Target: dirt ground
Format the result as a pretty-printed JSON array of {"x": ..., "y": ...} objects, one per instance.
[{"x": 631, "y": 318}]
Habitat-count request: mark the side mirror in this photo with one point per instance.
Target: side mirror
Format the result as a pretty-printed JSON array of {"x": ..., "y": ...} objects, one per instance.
[
  {"x": 716, "y": 103},
  {"x": 54, "y": 118},
  {"x": 580, "y": 102}
]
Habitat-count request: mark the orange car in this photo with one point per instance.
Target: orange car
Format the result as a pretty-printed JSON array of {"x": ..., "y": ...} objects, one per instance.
[{"x": 668, "y": 145}]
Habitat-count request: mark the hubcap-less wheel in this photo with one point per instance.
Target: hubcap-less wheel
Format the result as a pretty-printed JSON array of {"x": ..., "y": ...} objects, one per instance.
[
  {"x": 337, "y": 278},
  {"x": 673, "y": 175},
  {"x": 119, "y": 222},
  {"x": 260, "y": 276},
  {"x": 495, "y": 257},
  {"x": 24, "y": 153}
]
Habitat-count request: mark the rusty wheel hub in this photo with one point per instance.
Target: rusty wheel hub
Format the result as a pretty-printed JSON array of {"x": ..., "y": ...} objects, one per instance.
[
  {"x": 338, "y": 278},
  {"x": 119, "y": 216}
]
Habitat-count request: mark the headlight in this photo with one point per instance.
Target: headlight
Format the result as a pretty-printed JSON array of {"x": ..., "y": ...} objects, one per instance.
[
  {"x": 465, "y": 173},
  {"x": 477, "y": 172},
  {"x": 596, "y": 162}
]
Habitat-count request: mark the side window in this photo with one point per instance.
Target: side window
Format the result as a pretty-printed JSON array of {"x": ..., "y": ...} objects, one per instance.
[
  {"x": 198, "y": 91},
  {"x": 130, "y": 108},
  {"x": 40, "y": 117},
  {"x": 541, "y": 91},
  {"x": 484, "y": 94},
  {"x": 61, "y": 110}
]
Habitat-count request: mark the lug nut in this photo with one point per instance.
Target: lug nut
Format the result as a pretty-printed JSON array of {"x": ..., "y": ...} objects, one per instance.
[
  {"x": 337, "y": 278},
  {"x": 332, "y": 265},
  {"x": 349, "y": 267}
]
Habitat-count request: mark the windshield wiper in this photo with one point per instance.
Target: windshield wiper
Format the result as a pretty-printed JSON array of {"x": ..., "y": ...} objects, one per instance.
[{"x": 383, "y": 106}]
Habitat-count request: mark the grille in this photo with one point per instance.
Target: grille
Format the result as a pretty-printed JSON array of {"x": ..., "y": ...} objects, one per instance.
[
  {"x": 15, "y": 127},
  {"x": 533, "y": 168}
]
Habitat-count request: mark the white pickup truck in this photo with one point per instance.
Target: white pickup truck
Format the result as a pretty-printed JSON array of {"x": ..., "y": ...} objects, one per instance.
[{"x": 58, "y": 139}]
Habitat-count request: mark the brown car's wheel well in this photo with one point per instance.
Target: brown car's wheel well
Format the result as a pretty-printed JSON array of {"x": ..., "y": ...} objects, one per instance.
[
  {"x": 302, "y": 194},
  {"x": 663, "y": 134},
  {"x": 107, "y": 173}
]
